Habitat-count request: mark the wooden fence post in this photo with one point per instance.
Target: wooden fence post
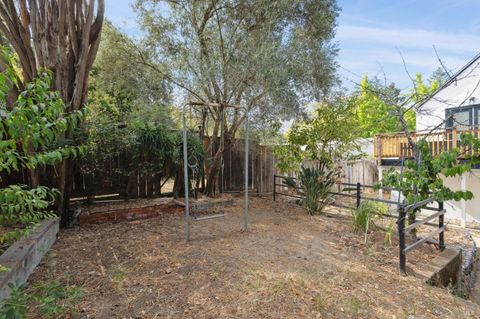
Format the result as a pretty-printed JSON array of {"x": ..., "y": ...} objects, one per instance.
[{"x": 274, "y": 178}]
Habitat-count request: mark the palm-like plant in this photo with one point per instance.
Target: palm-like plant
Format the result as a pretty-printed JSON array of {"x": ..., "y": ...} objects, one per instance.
[{"x": 314, "y": 184}]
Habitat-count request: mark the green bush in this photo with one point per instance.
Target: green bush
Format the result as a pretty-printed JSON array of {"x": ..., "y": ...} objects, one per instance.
[
  {"x": 363, "y": 216},
  {"x": 314, "y": 185},
  {"x": 48, "y": 300},
  {"x": 31, "y": 137}
]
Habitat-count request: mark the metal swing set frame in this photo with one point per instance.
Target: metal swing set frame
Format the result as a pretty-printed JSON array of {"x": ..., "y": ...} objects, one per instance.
[{"x": 186, "y": 165}]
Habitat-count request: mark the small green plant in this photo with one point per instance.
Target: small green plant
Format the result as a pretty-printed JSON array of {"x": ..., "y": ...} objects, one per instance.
[
  {"x": 364, "y": 214},
  {"x": 387, "y": 241},
  {"x": 4, "y": 269},
  {"x": 15, "y": 306},
  {"x": 52, "y": 299},
  {"x": 319, "y": 303},
  {"x": 314, "y": 185},
  {"x": 47, "y": 300},
  {"x": 354, "y": 306}
]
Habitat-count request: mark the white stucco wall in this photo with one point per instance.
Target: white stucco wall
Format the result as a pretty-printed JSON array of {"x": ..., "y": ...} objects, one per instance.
[
  {"x": 366, "y": 147},
  {"x": 454, "y": 208},
  {"x": 472, "y": 207},
  {"x": 464, "y": 90}
]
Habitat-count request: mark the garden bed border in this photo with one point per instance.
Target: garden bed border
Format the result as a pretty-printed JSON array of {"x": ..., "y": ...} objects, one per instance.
[{"x": 25, "y": 255}]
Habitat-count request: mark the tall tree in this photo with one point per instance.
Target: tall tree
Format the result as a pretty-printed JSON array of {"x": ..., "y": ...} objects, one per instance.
[
  {"x": 64, "y": 37},
  {"x": 268, "y": 56},
  {"x": 440, "y": 75},
  {"x": 376, "y": 107},
  {"x": 378, "y": 104},
  {"x": 135, "y": 88}
]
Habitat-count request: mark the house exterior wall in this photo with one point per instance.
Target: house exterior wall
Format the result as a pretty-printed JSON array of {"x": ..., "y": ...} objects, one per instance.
[
  {"x": 472, "y": 207},
  {"x": 455, "y": 208},
  {"x": 464, "y": 90}
]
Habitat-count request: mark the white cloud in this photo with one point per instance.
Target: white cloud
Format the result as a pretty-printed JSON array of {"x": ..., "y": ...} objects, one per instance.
[
  {"x": 404, "y": 38},
  {"x": 380, "y": 56}
]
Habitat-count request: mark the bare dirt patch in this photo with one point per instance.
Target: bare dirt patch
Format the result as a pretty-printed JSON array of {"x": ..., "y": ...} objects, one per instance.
[{"x": 290, "y": 265}]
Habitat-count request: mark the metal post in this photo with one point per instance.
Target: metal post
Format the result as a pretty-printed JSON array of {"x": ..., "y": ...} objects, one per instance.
[
  {"x": 358, "y": 194},
  {"x": 274, "y": 184},
  {"x": 401, "y": 235},
  {"x": 441, "y": 236},
  {"x": 245, "y": 203},
  {"x": 185, "y": 177}
]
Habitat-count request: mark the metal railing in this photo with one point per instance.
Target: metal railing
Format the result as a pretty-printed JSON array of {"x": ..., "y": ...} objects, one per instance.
[
  {"x": 350, "y": 187},
  {"x": 402, "y": 212}
]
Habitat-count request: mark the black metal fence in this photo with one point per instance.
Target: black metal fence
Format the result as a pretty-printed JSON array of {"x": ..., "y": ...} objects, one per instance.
[{"x": 402, "y": 212}]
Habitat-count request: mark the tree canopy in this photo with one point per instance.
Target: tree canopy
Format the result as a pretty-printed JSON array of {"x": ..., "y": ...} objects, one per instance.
[
  {"x": 268, "y": 56},
  {"x": 377, "y": 104},
  {"x": 328, "y": 135}
]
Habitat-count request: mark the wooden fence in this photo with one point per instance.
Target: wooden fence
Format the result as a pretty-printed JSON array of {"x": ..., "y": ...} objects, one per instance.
[
  {"x": 260, "y": 171},
  {"x": 111, "y": 182}
]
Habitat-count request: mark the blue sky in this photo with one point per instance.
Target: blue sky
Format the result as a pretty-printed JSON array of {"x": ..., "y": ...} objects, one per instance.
[{"x": 373, "y": 33}]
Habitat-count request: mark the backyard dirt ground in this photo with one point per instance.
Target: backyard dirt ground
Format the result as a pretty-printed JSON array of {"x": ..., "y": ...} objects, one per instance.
[{"x": 289, "y": 265}]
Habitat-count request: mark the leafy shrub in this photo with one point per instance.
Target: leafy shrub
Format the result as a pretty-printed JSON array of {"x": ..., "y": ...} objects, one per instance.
[
  {"x": 48, "y": 300},
  {"x": 19, "y": 204},
  {"x": 423, "y": 178},
  {"x": 15, "y": 306},
  {"x": 153, "y": 148},
  {"x": 315, "y": 185},
  {"x": 31, "y": 132},
  {"x": 364, "y": 214},
  {"x": 21, "y": 208}
]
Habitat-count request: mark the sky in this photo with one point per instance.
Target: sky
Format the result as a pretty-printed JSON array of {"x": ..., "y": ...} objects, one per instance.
[{"x": 374, "y": 35}]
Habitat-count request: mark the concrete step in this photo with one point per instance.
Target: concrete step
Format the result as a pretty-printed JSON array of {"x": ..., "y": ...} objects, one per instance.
[{"x": 444, "y": 270}]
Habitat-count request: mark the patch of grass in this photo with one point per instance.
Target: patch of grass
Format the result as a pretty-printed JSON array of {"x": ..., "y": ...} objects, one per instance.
[
  {"x": 407, "y": 313},
  {"x": 50, "y": 299},
  {"x": 255, "y": 283},
  {"x": 319, "y": 303},
  {"x": 4, "y": 269},
  {"x": 277, "y": 287},
  {"x": 217, "y": 271},
  {"x": 387, "y": 241},
  {"x": 362, "y": 216},
  {"x": 117, "y": 277},
  {"x": 353, "y": 306}
]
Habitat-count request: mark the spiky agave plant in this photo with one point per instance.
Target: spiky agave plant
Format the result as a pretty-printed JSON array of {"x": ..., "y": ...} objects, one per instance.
[{"x": 314, "y": 185}]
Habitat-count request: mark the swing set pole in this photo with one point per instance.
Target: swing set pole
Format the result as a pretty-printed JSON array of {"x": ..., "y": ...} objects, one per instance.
[
  {"x": 245, "y": 200},
  {"x": 185, "y": 176},
  {"x": 185, "y": 163}
]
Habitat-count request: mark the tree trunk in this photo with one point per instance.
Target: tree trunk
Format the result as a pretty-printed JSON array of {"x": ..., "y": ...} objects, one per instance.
[
  {"x": 212, "y": 189},
  {"x": 179, "y": 183},
  {"x": 65, "y": 186},
  {"x": 63, "y": 36}
]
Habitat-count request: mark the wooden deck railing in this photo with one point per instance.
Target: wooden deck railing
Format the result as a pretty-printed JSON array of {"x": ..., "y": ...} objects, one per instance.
[{"x": 396, "y": 145}]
